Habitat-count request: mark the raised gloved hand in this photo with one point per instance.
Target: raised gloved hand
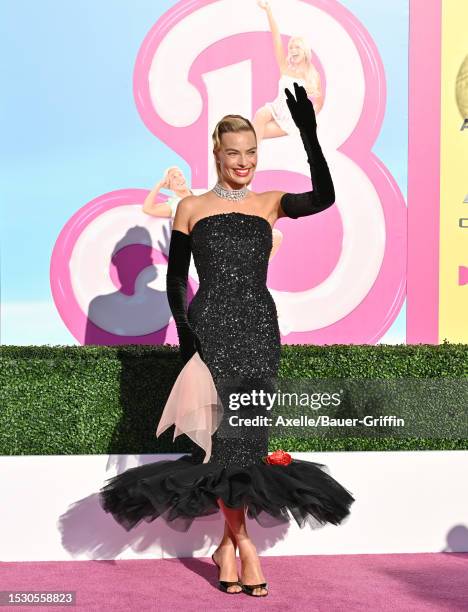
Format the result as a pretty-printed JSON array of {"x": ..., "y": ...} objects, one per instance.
[
  {"x": 176, "y": 288},
  {"x": 323, "y": 195},
  {"x": 302, "y": 110}
]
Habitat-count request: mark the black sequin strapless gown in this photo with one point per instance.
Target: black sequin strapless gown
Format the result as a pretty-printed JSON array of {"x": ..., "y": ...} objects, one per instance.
[{"x": 234, "y": 315}]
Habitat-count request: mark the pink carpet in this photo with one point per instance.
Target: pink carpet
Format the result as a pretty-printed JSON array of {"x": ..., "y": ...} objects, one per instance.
[{"x": 326, "y": 583}]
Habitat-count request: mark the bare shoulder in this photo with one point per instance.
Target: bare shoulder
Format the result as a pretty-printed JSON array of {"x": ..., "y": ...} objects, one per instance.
[
  {"x": 187, "y": 204},
  {"x": 184, "y": 213},
  {"x": 189, "y": 210},
  {"x": 269, "y": 196}
]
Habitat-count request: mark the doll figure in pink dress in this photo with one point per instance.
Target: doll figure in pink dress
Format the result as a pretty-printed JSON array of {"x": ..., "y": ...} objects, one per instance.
[{"x": 274, "y": 119}]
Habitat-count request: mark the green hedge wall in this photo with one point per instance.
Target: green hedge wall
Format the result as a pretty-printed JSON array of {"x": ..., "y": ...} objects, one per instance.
[{"x": 72, "y": 400}]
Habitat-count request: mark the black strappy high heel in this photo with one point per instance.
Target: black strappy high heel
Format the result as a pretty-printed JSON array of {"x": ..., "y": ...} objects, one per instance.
[
  {"x": 224, "y": 584},
  {"x": 249, "y": 588}
]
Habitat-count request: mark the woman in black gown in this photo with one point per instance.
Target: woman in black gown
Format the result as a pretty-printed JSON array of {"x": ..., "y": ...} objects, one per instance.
[{"x": 231, "y": 326}]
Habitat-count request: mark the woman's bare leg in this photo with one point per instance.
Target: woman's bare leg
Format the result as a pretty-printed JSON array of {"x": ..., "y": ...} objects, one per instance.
[
  {"x": 261, "y": 118},
  {"x": 251, "y": 569},
  {"x": 273, "y": 130},
  {"x": 225, "y": 556},
  {"x": 265, "y": 125}
]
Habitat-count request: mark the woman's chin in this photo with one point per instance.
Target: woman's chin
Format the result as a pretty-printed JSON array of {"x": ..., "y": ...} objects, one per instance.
[{"x": 238, "y": 183}]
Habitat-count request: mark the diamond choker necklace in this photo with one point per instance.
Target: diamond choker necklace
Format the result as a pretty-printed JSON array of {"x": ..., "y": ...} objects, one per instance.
[{"x": 230, "y": 194}]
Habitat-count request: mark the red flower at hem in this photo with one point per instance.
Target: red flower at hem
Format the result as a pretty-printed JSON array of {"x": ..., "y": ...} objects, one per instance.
[{"x": 278, "y": 457}]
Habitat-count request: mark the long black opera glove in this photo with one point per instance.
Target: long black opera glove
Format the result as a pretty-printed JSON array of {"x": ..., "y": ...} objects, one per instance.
[
  {"x": 323, "y": 195},
  {"x": 176, "y": 288}
]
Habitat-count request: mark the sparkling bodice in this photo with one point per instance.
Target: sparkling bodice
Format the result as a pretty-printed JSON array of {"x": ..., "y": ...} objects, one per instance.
[{"x": 231, "y": 251}]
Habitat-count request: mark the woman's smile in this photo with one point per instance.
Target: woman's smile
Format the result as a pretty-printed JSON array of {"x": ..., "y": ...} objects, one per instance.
[{"x": 242, "y": 171}]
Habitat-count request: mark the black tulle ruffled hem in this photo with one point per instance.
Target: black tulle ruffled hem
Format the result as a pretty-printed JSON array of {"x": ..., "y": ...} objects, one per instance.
[{"x": 180, "y": 490}]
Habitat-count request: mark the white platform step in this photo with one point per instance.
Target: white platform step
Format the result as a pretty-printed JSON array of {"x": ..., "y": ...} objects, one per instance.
[{"x": 406, "y": 501}]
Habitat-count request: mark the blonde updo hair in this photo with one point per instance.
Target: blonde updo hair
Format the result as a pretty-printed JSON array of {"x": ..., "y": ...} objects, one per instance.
[{"x": 230, "y": 123}]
